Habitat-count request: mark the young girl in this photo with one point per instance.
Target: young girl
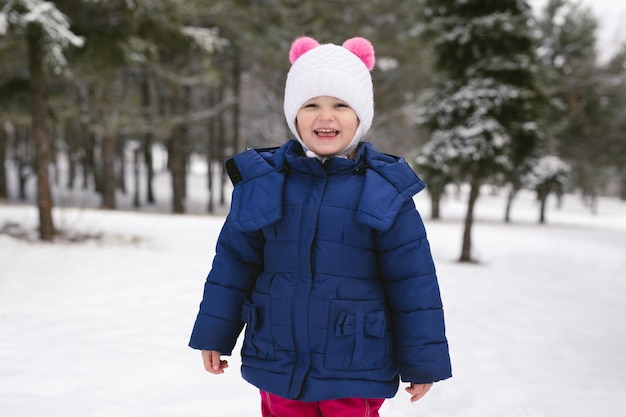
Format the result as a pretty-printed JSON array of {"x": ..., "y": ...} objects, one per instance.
[{"x": 324, "y": 257}]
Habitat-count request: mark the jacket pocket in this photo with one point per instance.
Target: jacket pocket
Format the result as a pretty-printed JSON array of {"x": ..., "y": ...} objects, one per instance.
[
  {"x": 258, "y": 341},
  {"x": 358, "y": 336}
]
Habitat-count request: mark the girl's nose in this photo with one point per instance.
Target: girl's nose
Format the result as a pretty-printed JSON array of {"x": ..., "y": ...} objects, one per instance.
[{"x": 327, "y": 114}]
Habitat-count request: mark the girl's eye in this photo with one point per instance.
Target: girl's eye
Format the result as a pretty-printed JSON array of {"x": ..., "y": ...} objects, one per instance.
[
  {"x": 310, "y": 106},
  {"x": 342, "y": 105}
]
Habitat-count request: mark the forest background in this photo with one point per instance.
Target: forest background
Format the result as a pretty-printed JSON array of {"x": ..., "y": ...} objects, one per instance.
[{"x": 473, "y": 93}]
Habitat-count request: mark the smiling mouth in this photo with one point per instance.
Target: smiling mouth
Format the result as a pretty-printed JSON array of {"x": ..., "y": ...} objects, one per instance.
[{"x": 326, "y": 132}]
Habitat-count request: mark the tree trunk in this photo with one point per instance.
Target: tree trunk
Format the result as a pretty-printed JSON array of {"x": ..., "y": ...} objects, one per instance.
[
  {"x": 509, "y": 203},
  {"x": 211, "y": 135},
  {"x": 466, "y": 250},
  {"x": 178, "y": 169},
  {"x": 71, "y": 174},
  {"x": 4, "y": 193},
  {"x": 23, "y": 173},
  {"x": 40, "y": 129},
  {"x": 221, "y": 137},
  {"x": 54, "y": 158},
  {"x": 149, "y": 162},
  {"x": 210, "y": 206},
  {"x": 621, "y": 178},
  {"x": 121, "y": 166},
  {"x": 148, "y": 139},
  {"x": 237, "y": 146},
  {"x": 178, "y": 154},
  {"x": 542, "y": 208},
  {"x": 435, "y": 202},
  {"x": 72, "y": 129},
  {"x": 136, "y": 177},
  {"x": 22, "y": 154},
  {"x": 90, "y": 171},
  {"x": 236, "y": 142},
  {"x": 108, "y": 171}
]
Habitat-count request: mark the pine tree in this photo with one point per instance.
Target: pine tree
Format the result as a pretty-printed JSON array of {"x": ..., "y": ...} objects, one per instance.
[
  {"x": 547, "y": 175},
  {"x": 585, "y": 123},
  {"x": 47, "y": 33},
  {"x": 481, "y": 114}
]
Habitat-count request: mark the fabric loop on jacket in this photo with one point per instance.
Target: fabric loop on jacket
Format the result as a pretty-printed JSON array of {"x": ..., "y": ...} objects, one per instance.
[
  {"x": 371, "y": 324},
  {"x": 257, "y": 197}
]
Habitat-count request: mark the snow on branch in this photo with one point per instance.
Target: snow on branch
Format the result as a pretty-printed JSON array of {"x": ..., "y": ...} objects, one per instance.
[
  {"x": 206, "y": 38},
  {"x": 56, "y": 26},
  {"x": 547, "y": 169}
]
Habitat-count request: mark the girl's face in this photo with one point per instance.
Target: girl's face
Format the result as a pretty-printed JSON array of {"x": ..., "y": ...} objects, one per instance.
[{"x": 326, "y": 125}]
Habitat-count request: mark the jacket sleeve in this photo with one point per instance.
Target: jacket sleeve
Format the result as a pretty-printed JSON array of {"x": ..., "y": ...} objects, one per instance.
[
  {"x": 238, "y": 262},
  {"x": 410, "y": 281}
]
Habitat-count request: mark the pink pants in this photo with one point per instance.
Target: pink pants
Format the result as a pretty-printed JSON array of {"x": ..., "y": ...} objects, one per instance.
[{"x": 275, "y": 406}]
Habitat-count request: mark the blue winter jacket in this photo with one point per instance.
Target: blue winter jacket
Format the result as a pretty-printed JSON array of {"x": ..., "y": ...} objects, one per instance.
[{"x": 328, "y": 266}]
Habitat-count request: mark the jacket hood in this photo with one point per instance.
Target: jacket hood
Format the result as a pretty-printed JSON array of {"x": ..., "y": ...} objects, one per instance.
[{"x": 259, "y": 176}]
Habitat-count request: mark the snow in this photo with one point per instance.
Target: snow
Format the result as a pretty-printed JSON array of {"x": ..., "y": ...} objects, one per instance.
[
  {"x": 53, "y": 22},
  {"x": 207, "y": 39},
  {"x": 548, "y": 168},
  {"x": 100, "y": 328}
]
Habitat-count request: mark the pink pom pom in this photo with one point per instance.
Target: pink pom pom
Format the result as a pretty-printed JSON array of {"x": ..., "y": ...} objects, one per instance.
[
  {"x": 362, "y": 48},
  {"x": 301, "y": 46}
]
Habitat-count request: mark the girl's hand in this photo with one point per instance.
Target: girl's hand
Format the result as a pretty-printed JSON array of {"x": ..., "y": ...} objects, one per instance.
[
  {"x": 212, "y": 362},
  {"x": 417, "y": 391}
]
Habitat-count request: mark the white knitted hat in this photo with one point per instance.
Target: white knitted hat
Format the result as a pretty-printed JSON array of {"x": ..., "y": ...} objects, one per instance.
[{"x": 331, "y": 70}]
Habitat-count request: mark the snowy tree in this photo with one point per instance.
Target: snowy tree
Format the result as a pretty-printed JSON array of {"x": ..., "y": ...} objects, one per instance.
[
  {"x": 573, "y": 85},
  {"x": 585, "y": 123},
  {"x": 434, "y": 166},
  {"x": 549, "y": 174},
  {"x": 481, "y": 115},
  {"x": 47, "y": 34},
  {"x": 614, "y": 104}
]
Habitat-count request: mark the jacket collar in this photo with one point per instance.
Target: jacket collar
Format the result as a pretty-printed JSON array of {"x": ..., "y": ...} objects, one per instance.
[{"x": 260, "y": 173}]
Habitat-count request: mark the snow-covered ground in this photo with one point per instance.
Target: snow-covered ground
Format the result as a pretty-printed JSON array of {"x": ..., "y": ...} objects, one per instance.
[{"x": 100, "y": 329}]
